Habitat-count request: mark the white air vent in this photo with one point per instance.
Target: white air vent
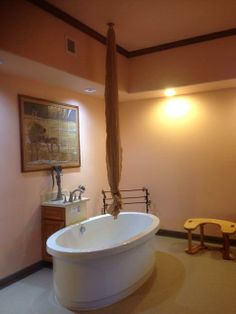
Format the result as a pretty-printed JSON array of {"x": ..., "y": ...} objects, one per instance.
[{"x": 71, "y": 46}]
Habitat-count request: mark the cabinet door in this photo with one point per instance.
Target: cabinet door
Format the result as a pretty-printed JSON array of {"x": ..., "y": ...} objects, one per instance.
[
  {"x": 48, "y": 228},
  {"x": 53, "y": 213}
]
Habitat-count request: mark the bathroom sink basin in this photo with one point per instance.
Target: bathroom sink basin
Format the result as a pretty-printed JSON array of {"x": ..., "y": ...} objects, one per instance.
[
  {"x": 57, "y": 202},
  {"x": 61, "y": 203}
]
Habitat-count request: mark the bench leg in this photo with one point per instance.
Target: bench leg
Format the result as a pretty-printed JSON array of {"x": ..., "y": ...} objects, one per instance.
[
  {"x": 189, "y": 250},
  {"x": 202, "y": 236},
  {"x": 226, "y": 248},
  {"x": 194, "y": 249}
]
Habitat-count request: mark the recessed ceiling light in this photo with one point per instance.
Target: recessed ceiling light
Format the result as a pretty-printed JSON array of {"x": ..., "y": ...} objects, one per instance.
[
  {"x": 1, "y": 61},
  {"x": 169, "y": 92},
  {"x": 90, "y": 90}
]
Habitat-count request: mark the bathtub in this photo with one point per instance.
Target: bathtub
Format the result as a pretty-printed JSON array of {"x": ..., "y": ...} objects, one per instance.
[{"x": 102, "y": 260}]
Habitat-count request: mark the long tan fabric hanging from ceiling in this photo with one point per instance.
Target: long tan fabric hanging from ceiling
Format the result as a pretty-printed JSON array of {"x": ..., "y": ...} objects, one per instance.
[{"x": 113, "y": 147}]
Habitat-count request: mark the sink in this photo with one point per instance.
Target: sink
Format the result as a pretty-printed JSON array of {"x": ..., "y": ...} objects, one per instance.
[{"x": 61, "y": 203}]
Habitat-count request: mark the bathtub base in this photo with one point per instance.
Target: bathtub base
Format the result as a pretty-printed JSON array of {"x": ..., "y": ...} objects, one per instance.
[
  {"x": 91, "y": 284},
  {"x": 97, "y": 304}
]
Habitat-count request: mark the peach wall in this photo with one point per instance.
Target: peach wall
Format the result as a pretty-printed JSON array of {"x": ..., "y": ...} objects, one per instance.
[
  {"x": 188, "y": 163},
  {"x": 28, "y": 31},
  {"x": 203, "y": 62},
  {"x": 20, "y": 193}
]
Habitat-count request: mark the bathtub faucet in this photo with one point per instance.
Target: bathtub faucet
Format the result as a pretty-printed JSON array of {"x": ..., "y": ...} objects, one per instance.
[
  {"x": 80, "y": 189},
  {"x": 82, "y": 229}
]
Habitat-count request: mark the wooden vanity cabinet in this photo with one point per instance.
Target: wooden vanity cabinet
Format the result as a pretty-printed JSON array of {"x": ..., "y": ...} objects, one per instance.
[{"x": 53, "y": 219}]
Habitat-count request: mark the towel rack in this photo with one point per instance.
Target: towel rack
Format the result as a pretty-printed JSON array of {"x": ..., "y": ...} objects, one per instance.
[{"x": 130, "y": 197}]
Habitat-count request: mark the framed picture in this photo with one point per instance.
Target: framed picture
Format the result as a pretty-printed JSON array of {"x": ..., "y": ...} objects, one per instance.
[{"x": 49, "y": 134}]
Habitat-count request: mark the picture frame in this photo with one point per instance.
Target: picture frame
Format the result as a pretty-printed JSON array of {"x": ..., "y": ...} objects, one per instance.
[{"x": 49, "y": 134}]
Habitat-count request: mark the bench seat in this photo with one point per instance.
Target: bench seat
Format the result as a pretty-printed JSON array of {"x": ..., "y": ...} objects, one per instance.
[{"x": 227, "y": 228}]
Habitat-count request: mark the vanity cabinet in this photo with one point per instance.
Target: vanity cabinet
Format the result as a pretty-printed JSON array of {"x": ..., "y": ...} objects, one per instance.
[
  {"x": 53, "y": 219},
  {"x": 57, "y": 216}
]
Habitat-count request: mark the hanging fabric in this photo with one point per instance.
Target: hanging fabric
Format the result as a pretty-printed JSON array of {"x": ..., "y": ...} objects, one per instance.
[{"x": 113, "y": 147}]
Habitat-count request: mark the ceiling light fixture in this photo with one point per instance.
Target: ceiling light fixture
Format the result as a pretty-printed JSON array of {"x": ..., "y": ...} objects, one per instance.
[
  {"x": 90, "y": 90},
  {"x": 169, "y": 92}
]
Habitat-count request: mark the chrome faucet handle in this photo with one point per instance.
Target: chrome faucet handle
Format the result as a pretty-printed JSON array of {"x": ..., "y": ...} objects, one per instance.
[
  {"x": 71, "y": 197},
  {"x": 81, "y": 189},
  {"x": 65, "y": 199}
]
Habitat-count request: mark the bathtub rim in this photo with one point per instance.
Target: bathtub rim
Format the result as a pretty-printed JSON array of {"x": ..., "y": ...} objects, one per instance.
[{"x": 62, "y": 252}]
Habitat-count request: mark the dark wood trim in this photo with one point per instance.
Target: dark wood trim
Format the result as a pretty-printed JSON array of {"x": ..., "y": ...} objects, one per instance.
[
  {"x": 6, "y": 281},
  {"x": 48, "y": 7},
  {"x": 183, "y": 42},
  {"x": 172, "y": 234},
  {"x": 184, "y": 235},
  {"x": 65, "y": 17}
]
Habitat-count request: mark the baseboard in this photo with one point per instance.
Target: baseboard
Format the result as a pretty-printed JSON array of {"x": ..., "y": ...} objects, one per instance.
[
  {"x": 8, "y": 280},
  {"x": 184, "y": 235}
]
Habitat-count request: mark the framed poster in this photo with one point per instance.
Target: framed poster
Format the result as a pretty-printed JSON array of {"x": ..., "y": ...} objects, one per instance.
[{"x": 49, "y": 134}]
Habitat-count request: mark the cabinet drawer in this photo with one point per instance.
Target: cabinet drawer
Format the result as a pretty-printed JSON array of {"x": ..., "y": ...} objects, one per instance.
[{"x": 54, "y": 213}]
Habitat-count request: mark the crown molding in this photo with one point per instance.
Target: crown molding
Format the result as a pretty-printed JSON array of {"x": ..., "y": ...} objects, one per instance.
[
  {"x": 65, "y": 17},
  {"x": 183, "y": 42}
]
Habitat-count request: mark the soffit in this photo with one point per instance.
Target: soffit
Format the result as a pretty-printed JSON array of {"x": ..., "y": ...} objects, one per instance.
[{"x": 23, "y": 67}]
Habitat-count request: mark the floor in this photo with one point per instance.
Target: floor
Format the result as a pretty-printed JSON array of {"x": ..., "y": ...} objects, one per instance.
[{"x": 180, "y": 284}]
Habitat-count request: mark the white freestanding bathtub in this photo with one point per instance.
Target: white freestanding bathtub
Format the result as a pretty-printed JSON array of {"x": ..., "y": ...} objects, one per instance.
[{"x": 102, "y": 260}]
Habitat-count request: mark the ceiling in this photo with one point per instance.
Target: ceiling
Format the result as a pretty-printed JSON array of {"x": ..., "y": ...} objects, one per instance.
[
  {"x": 145, "y": 23},
  {"x": 139, "y": 24}
]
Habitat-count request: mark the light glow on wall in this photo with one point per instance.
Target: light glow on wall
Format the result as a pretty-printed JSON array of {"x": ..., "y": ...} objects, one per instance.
[
  {"x": 169, "y": 92},
  {"x": 176, "y": 108}
]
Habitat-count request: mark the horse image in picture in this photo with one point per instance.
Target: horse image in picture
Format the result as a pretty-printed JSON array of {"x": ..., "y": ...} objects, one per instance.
[{"x": 38, "y": 138}]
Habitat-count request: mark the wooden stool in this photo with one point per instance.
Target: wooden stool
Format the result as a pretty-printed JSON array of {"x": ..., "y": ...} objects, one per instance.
[{"x": 227, "y": 228}]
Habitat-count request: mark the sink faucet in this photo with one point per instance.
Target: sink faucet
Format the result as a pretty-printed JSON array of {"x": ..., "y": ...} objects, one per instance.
[{"x": 80, "y": 189}]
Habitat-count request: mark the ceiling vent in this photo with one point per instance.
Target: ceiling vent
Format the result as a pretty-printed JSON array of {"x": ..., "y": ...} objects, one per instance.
[{"x": 71, "y": 46}]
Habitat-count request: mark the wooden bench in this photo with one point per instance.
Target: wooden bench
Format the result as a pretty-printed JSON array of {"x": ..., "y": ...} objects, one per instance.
[{"x": 227, "y": 228}]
